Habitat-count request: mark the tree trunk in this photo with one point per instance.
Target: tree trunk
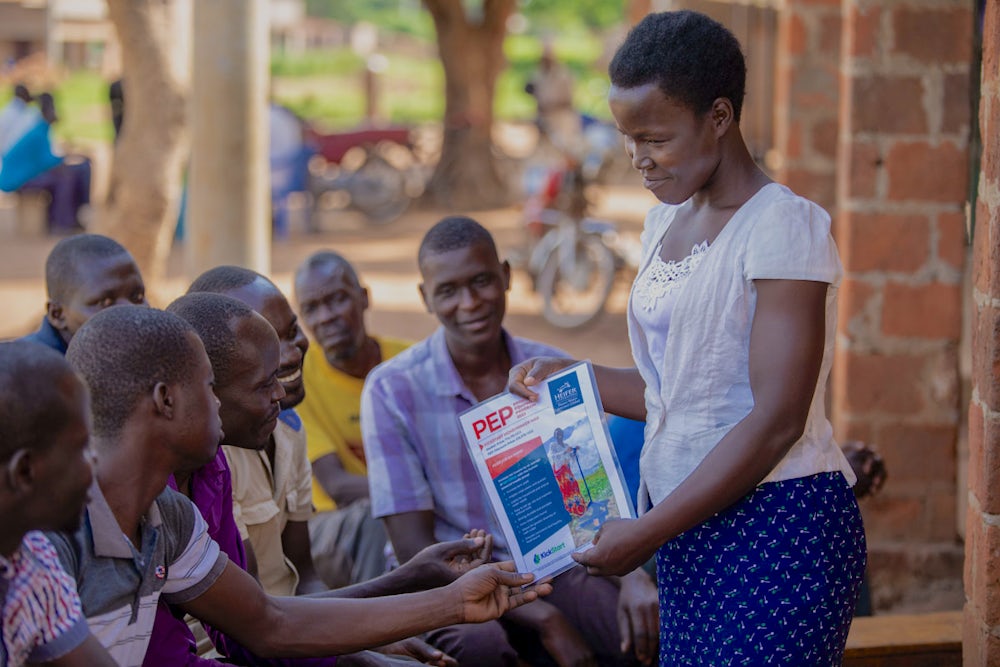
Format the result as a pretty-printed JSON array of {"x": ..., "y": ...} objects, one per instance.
[
  {"x": 145, "y": 186},
  {"x": 468, "y": 175}
]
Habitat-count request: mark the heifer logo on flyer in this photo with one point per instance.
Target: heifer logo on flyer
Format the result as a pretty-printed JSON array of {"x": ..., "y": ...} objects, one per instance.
[{"x": 565, "y": 393}]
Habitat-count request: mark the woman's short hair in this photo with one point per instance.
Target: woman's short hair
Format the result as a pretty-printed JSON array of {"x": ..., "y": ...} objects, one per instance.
[{"x": 693, "y": 59}]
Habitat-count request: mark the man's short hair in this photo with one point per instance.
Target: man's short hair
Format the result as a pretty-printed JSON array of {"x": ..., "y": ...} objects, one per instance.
[
  {"x": 61, "y": 266},
  {"x": 122, "y": 353},
  {"x": 226, "y": 278},
  {"x": 327, "y": 258},
  {"x": 453, "y": 233},
  {"x": 214, "y": 317},
  {"x": 32, "y": 407}
]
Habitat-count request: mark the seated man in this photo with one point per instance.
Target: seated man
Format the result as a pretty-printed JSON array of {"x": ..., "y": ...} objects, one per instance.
[
  {"x": 347, "y": 543},
  {"x": 154, "y": 412},
  {"x": 43, "y": 449},
  {"x": 425, "y": 486},
  {"x": 85, "y": 274},
  {"x": 16, "y": 118},
  {"x": 245, "y": 355},
  {"x": 32, "y": 163},
  {"x": 272, "y": 479}
]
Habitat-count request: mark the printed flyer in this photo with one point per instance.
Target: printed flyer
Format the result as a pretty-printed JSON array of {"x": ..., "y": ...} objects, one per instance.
[{"x": 549, "y": 468}]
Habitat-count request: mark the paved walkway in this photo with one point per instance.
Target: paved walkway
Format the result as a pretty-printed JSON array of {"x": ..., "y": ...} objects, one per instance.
[{"x": 385, "y": 257}]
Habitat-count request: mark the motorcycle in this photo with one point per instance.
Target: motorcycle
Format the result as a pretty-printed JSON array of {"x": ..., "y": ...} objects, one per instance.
[{"x": 572, "y": 258}]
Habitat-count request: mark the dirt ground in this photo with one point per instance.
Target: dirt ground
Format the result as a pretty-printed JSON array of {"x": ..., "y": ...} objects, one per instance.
[{"x": 385, "y": 257}]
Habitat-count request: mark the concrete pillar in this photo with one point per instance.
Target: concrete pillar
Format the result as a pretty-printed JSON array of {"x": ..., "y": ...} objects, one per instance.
[
  {"x": 806, "y": 98},
  {"x": 901, "y": 194},
  {"x": 981, "y": 642},
  {"x": 229, "y": 211}
]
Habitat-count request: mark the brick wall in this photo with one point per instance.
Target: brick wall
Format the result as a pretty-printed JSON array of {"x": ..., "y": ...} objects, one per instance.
[
  {"x": 901, "y": 190},
  {"x": 806, "y": 96},
  {"x": 982, "y": 549}
]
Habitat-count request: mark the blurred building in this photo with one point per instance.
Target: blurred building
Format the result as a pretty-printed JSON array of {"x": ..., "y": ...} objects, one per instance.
[{"x": 77, "y": 33}]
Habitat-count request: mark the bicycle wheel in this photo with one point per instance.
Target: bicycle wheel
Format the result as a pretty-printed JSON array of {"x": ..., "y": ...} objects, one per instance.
[
  {"x": 574, "y": 289},
  {"x": 378, "y": 189}
]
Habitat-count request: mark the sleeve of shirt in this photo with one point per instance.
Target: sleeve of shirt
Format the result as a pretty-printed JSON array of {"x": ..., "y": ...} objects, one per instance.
[
  {"x": 396, "y": 478},
  {"x": 299, "y": 499},
  {"x": 55, "y": 604},
  {"x": 791, "y": 241},
  {"x": 197, "y": 563}
]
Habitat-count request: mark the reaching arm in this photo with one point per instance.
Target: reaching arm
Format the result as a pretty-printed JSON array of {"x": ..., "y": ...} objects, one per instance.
[
  {"x": 342, "y": 486},
  {"x": 410, "y": 532},
  {"x": 295, "y": 544},
  {"x": 436, "y": 565},
  {"x": 786, "y": 352},
  {"x": 622, "y": 389},
  {"x": 291, "y": 627}
]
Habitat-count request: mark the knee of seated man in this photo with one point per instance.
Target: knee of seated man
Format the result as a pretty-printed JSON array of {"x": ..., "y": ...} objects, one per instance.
[{"x": 476, "y": 644}]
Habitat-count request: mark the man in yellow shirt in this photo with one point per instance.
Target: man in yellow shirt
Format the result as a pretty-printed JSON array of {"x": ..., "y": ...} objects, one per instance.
[{"x": 348, "y": 545}]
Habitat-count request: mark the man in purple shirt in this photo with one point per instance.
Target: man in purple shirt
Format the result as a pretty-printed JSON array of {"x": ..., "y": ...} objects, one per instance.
[
  {"x": 425, "y": 486},
  {"x": 243, "y": 350}
]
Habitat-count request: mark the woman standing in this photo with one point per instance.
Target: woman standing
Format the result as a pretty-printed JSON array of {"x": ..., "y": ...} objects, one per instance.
[{"x": 759, "y": 543}]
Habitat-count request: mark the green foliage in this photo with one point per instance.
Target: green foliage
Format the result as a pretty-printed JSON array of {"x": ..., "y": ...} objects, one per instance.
[
  {"x": 326, "y": 86},
  {"x": 314, "y": 63},
  {"x": 406, "y": 16},
  {"x": 558, "y": 15}
]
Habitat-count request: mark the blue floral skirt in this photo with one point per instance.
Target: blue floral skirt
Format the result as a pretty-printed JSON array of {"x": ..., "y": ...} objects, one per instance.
[{"x": 771, "y": 580}]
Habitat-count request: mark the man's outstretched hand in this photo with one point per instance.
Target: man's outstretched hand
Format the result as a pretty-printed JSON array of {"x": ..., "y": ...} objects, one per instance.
[
  {"x": 489, "y": 591},
  {"x": 442, "y": 563}
]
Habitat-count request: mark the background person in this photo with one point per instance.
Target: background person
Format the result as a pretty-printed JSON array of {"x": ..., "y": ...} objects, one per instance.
[
  {"x": 85, "y": 274},
  {"x": 425, "y": 487},
  {"x": 348, "y": 544},
  {"x": 32, "y": 163}
]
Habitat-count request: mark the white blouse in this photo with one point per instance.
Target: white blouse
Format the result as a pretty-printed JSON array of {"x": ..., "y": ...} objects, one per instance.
[
  {"x": 656, "y": 290},
  {"x": 697, "y": 380}
]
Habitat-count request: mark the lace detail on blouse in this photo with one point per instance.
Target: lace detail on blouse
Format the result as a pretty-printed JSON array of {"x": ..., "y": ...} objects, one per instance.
[{"x": 661, "y": 278}]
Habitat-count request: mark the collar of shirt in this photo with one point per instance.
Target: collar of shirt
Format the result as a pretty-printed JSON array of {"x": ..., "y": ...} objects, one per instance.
[
  {"x": 109, "y": 541},
  {"x": 447, "y": 381}
]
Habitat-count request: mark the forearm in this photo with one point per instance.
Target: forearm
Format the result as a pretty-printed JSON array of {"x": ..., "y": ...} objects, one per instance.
[
  {"x": 622, "y": 391},
  {"x": 348, "y": 488},
  {"x": 391, "y": 583},
  {"x": 744, "y": 457},
  {"x": 342, "y": 486},
  {"x": 300, "y": 627},
  {"x": 295, "y": 544}
]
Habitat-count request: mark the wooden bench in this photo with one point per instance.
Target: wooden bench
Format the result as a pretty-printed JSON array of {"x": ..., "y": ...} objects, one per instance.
[{"x": 911, "y": 640}]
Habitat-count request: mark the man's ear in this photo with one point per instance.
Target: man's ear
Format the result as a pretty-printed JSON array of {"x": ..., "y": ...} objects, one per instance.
[
  {"x": 423, "y": 297},
  {"x": 54, "y": 314},
  {"x": 20, "y": 476},
  {"x": 163, "y": 400},
  {"x": 506, "y": 275},
  {"x": 364, "y": 298}
]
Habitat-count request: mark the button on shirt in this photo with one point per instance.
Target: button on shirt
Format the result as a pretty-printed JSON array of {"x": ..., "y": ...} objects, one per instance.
[{"x": 417, "y": 458}]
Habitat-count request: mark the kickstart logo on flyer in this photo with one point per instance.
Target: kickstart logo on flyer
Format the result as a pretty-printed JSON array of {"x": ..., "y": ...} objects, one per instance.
[
  {"x": 565, "y": 393},
  {"x": 548, "y": 552}
]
